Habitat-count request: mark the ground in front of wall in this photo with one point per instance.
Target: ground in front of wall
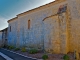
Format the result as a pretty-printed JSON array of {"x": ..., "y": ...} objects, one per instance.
[
  {"x": 40, "y": 54},
  {"x": 51, "y": 56}
]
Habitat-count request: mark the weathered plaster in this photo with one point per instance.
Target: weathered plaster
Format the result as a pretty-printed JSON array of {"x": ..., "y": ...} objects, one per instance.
[
  {"x": 0, "y": 35},
  {"x": 55, "y": 32},
  {"x": 0, "y": 38}
]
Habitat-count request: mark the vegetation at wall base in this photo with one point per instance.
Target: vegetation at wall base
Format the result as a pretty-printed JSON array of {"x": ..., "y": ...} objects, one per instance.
[
  {"x": 66, "y": 57},
  {"x": 45, "y": 57},
  {"x": 23, "y": 49},
  {"x": 33, "y": 51},
  {"x": 11, "y": 47},
  {"x": 16, "y": 49}
]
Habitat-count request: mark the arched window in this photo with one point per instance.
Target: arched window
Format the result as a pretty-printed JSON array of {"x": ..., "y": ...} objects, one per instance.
[
  {"x": 10, "y": 28},
  {"x": 28, "y": 24}
]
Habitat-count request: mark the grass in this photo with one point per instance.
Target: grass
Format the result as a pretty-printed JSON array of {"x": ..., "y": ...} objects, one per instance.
[
  {"x": 11, "y": 47},
  {"x": 66, "y": 57},
  {"x": 33, "y": 51},
  {"x": 23, "y": 49},
  {"x": 16, "y": 49},
  {"x": 45, "y": 57}
]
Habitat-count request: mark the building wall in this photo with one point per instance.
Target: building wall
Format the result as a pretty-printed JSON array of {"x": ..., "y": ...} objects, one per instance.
[
  {"x": 35, "y": 36},
  {"x": 51, "y": 34},
  {"x": 0, "y": 38},
  {"x": 3, "y": 37},
  {"x": 74, "y": 25},
  {"x": 0, "y": 35},
  {"x": 12, "y": 35},
  {"x": 56, "y": 33}
]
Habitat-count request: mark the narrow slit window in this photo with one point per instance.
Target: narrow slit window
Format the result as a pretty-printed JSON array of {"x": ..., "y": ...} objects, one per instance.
[
  {"x": 10, "y": 28},
  {"x": 28, "y": 24}
]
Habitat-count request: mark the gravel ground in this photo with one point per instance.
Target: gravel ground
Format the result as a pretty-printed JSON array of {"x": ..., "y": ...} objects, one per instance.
[{"x": 51, "y": 56}]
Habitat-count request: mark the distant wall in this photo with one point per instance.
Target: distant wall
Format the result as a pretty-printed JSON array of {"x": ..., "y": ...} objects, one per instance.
[
  {"x": 12, "y": 33},
  {"x": 0, "y": 38},
  {"x": 0, "y": 35}
]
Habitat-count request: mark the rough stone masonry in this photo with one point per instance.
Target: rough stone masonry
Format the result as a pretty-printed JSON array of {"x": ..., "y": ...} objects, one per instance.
[{"x": 54, "y": 27}]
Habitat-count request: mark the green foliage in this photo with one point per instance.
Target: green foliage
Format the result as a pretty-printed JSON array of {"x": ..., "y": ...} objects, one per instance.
[
  {"x": 23, "y": 49},
  {"x": 16, "y": 49},
  {"x": 45, "y": 57},
  {"x": 33, "y": 51},
  {"x": 11, "y": 47},
  {"x": 66, "y": 57}
]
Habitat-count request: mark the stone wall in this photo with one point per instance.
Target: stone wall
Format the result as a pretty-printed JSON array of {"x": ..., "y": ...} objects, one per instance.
[
  {"x": 54, "y": 31},
  {"x": 74, "y": 25},
  {"x": 51, "y": 35},
  {"x": 0, "y": 35},
  {"x": 35, "y": 36},
  {"x": 0, "y": 38},
  {"x": 12, "y": 35},
  {"x": 43, "y": 32}
]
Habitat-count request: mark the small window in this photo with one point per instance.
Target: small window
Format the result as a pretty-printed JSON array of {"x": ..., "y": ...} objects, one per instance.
[
  {"x": 28, "y": 24},
  {"x": 10, "y": 28}
]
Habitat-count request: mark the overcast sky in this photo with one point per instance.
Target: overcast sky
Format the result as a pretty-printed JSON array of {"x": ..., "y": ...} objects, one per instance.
[{"x": 10, "y": 8}]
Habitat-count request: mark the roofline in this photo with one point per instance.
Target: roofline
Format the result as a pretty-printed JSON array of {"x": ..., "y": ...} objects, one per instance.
[
  {"x": 35, "y": 8},
  {"x": 3, "y": 29},
  {"x": 38, "y": 8},
  {"x": 12, "y": 19}
]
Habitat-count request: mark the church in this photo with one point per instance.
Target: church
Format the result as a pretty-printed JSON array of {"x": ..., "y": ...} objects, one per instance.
[{"x": 54, "y": 27}]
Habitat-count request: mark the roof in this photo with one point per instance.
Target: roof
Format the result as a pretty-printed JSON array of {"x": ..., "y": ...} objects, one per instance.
[
  {"x": 4, "y": 29},
  {"x": 12, "y": 19},
  {"x": 38, "y": 8}
]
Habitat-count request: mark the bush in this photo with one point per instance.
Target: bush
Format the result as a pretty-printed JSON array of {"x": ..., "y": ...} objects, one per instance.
[
  {"x": 23, "y": 49},
  {"x": 44, "y": 57},
  {"x": 16, "y": 49},
  {"x": 33, "y": 51},
  {"x": 66, "y": 57},
  {"x": 11, "y": 47}
]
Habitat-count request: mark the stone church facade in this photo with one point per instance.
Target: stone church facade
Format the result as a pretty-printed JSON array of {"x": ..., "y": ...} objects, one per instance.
[{"x": 53, "y": 27}]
